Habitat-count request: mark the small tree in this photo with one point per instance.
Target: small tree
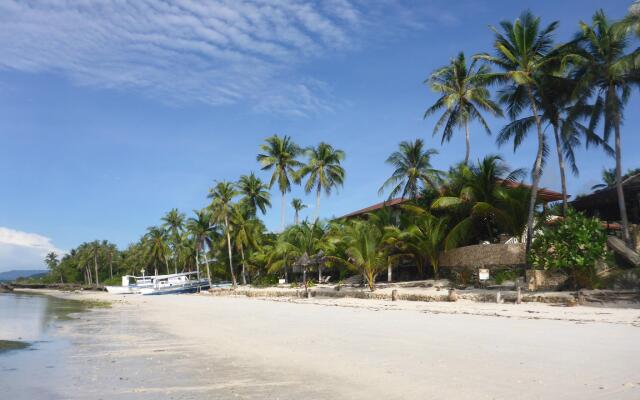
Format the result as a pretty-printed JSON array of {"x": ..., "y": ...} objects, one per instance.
[{"x": 572, "y": 246}]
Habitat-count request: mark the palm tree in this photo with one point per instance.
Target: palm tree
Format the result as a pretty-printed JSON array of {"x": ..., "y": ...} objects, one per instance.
[
  {"x": 632, "y": 21},
  {"x": 479, "y": 193},
  {"x": 605, "y": 69},
  {"x": 366, "y": 250},
  {"x": 53, "y": 263},
  {"x": 464, "y": 95},
  {"x": 254, "y": 193},
  {"x": 413, "y": 169},
  {"x": 200, "y": 228},
  {"x": 523, "y": 51},
  {"x": 279, "y": 154},
  {"x": 221, "y": 206},
  {"x": 561, "y": 112},
  {"x": 425, "y": 238},
  {"x": 246, "y": 231},
  {"x": 298, "y": 206},
  {"x": 157, "y": 247},
  {"x": 323, "y": 170},
  {"x": 174, "y": 222}
]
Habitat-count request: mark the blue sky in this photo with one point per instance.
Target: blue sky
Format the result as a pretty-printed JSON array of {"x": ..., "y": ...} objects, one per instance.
[{"x": 111, "y": 115}]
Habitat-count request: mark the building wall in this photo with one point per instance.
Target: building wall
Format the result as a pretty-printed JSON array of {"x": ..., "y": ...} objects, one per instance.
[{"x": 484, "y": 256}]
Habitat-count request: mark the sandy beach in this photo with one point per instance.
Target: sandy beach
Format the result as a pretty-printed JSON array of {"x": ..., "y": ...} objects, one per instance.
[{"x": 200, "y": 346}]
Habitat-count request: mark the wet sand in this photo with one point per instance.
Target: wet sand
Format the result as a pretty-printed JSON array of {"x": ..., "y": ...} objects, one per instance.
[{"x": 198, "y": 346}]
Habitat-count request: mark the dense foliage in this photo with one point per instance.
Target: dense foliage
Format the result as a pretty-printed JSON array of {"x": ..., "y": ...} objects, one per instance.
[{"x": 572, "y": 245}]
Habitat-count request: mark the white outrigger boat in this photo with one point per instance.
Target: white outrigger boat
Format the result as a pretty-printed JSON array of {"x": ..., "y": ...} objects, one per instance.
[
  {"x": 175, "y": 283},
  {"x": 127, "y": 287}
]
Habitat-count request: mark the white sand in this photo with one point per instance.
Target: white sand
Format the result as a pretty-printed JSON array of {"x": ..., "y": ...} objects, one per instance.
[{"x": 349, "y": 348}]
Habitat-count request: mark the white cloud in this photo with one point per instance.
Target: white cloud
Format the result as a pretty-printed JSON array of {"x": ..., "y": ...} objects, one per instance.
[
  {"x": 24, "y": 250},
  {"x": 212, "y": 51}
]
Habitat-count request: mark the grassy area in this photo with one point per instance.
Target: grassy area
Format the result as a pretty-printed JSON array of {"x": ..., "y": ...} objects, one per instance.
[{"x": 7, "y": 345}]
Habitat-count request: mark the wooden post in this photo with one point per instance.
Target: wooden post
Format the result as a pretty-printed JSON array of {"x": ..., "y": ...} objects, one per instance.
[
  {"x": 498, "y": 298},
  {"x": 519, "y": 296},
  {"x": 453, "y": 296},
  {"x": 394, "y": 295}
]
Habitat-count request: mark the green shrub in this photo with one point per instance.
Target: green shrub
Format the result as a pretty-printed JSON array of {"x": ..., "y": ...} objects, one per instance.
[
  {"x": 572, "y": 246},
  {"x": 505, "y": 275},
  {"x": 265, "y": 281}
]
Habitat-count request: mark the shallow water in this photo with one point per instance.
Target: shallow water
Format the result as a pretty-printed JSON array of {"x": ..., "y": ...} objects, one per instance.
[{"x": 30, "y": 373}]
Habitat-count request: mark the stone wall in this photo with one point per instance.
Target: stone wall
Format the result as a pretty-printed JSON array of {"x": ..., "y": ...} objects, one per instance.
[{"x": 484, "y": 256}]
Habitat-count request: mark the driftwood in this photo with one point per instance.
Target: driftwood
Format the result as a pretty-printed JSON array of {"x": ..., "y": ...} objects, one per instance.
[{"x": 620, "y": 248}]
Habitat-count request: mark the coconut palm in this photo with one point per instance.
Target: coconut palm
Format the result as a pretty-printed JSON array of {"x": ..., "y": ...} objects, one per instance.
[
  {"x": 604, "y": 67},
  {"x": 366, "y": 250},
  {"x": 424, "y": 239},
  {"x": 221, "y": 196},
  {"x": 412, "y": 170},
  {"x": 279, "y": 154},
  {"x": 464, "y": 94},
  {"x": 53, "y": 263},
  {"x": 557, "y": 110},
  {"x": 200, "y": 229},
  {"x": 478, "y": 193},
  {"x": 157, "y": 246},
  {"x": 323, "y": 170},
  {"x": 246, "y": 231},
  {"x": 632, "y": 21},
  {"x": 254, "y": 193},
  {"x": 523, "y": 52},
  {"x": 174, "y": 223},
  {"x": 297, "y": 206}
]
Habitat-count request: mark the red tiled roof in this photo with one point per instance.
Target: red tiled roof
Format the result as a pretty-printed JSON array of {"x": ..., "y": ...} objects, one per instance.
[{"x": 544, "y": 195}]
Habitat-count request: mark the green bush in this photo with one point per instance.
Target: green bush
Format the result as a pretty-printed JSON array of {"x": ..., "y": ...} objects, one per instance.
[
  {"x": 265, "y": 281},
  {"x": 505, "y": 275},
  {"x": 572, "y": 246}
]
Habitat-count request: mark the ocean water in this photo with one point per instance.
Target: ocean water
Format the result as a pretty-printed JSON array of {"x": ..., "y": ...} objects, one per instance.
[{"x": 30, "y": 373}]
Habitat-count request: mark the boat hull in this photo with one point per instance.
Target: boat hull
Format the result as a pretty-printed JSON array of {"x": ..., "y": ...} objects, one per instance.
[{"x": 178, "y": 289}]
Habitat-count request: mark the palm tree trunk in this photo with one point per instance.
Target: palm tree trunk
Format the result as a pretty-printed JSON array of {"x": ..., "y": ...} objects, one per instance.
[
  {"x": 563, "y": 178},
  {"x": 621, "y": 203},
  {"x": 95, "y": 264},
  {"x": 319, "y": 273},
  {"x": 295, "y": 218},
  {"x": 535, "y": 174},
  {"x": 244, "y": 268},
  {"x": 166, "y": 264},
  {"x": 233, "y": 275},
  {"x": 389, "y": 273},
  {"x": 198, "y": 263},
  {"x": 317, "y": 210},
  {"x": 282, "y": 210},
  {"x": 466, "y": 157},
  {"x": 110, "y": 266}
]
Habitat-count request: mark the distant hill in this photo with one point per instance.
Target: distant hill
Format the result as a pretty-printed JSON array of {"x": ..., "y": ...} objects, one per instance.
[{"x": 12, "y": 275}]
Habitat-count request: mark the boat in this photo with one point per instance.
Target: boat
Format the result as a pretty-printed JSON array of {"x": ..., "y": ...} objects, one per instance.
[
  {"x": 130, "y": 288},
  {"x": 186, "y": 282}
]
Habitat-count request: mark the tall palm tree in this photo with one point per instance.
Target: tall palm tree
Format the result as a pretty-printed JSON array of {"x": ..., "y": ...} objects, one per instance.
[
  {"x": 221, "y": 196},
  {"x": 157, "y": 246},
  {"x": 323, "y": 170},
  {"x": 557, "y": 109},
  {"x": 464, "y": 95},
  {"x": 523, "y": 51},
  {"x": 603, "y": 66},
  {"x": 254, "y": 193},
  {"x": 632, "y": 21},
  {"x": 200, "y": 228},
  {"x": 246, "y": 231},
  {"x": 297, "y": 206},
  {"x": 480, "y": 193},
  {"x": 279, "y": 154},
  {"x": 174, "y": 223},
  {"x": 413, "y": 170}
]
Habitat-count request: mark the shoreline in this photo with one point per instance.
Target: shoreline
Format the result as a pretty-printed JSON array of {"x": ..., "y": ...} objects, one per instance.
[{"x": 288, "y": 348}]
